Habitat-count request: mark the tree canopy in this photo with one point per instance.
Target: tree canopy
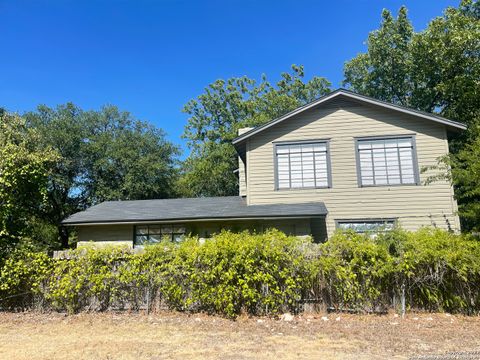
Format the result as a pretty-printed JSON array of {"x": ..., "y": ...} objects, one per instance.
[
  {"x": 436, "y": 70},
  {"x": 24, "y": 172},
  {"x": 226, "y": 106},
  {"x": 104, "y": 155}
]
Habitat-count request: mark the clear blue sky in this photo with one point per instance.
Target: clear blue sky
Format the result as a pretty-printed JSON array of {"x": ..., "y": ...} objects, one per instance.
[{"x": 151, "y": 57}]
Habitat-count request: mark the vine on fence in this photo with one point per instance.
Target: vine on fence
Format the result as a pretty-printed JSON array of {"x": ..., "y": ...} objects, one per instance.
[{"x": 260, "y": 274}]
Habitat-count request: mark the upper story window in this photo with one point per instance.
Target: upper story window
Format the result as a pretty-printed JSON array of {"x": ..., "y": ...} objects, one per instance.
[
  {"x": 387, "y": 161},
  {"x": 302, "y": 165},
  {"x": 151, "y": 234}
]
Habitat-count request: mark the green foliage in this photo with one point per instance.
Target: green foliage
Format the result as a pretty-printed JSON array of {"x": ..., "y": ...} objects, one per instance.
[
  {"x": 435, "y": 70},
  {"x": 89, "y": 278},
  {"x": 24, "y": 171},
  {"x": 235, "y": 272},
  {"x": 356, "y": 271},
  {"x": 226, "y": 106},
  {"x": 441, "y": 270},
  {"x": 255, "y": 273},
  {"x": 384, "y": 71},
  {"x": 105, "y": 155},
  {"x": 22, "y": 278}
]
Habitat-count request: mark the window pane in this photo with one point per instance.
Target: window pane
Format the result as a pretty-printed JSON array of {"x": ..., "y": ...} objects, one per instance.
[
  {"x": 367, "y": 226},
  {"x": 386, "y": 161},
  {"x": 166, "y": 229},
  {"x": 141, "y": 239},
  {"x": 155, "y": 238},
  {"x": 302, "y": 165},
  {"x": 142, "y": 230},
  {"x": 154, "y": 229},
  {"x": 179, "y": 229},
  {"x": 178, "y": 238}
]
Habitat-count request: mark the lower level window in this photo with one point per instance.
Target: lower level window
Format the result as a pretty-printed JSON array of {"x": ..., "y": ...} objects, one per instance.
[
  {"x": 365, "y": 226},
  {"x": 151, "y": 234}
]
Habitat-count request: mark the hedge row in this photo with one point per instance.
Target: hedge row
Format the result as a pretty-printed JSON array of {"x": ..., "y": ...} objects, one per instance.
[{"x": 256, "y": 274}]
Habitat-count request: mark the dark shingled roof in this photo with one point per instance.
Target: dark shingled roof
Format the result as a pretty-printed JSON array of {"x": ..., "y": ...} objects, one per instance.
[{"x": 227, "y": 207}]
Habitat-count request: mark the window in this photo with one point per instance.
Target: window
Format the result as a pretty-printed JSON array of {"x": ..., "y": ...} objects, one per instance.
[
  {"x": 302, "y": 165},
  {"x": 364, "y": 226},
  {"x": 389, "y": 161},
  {"x": 151, "y": 234}
]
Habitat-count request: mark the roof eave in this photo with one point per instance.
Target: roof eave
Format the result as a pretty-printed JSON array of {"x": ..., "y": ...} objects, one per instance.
[
  {"x": 450, "y": 123},
  {"x": 178, "y": 220}
]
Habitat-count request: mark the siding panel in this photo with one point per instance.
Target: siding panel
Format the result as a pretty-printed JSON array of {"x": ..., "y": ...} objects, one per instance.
[{"x": 341, "y": 122}]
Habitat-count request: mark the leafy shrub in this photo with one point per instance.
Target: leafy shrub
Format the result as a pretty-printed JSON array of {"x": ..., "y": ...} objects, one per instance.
[
  {"x": 233, "y": 272},
  {"x": 23, "y": 277},
  {"x": 88, "y": 278},
  {"x": 255, "y": 273},
  {"x": 355, "y": 272},
  {"x": 441, "y": 270}
]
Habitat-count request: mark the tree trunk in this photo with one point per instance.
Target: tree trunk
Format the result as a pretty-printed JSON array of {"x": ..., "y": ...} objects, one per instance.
[{"x": 63, "y": 235}]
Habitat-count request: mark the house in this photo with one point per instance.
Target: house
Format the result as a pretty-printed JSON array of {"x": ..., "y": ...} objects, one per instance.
[{"x": 343, "y": 161}]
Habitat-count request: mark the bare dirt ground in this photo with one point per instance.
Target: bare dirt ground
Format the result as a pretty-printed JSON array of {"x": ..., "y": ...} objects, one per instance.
[{"x": 169, "y": 335}]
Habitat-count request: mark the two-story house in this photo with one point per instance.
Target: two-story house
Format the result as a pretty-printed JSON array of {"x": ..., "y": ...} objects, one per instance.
[{"x": 343, "y": 161}]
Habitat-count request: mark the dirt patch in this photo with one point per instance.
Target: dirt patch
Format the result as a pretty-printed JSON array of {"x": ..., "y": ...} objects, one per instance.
[{"x": 169, "y": 335}]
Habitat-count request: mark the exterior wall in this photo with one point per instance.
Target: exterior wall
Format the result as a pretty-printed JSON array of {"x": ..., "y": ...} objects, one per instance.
[
  {"x": 102, "y": 244},
  {"x": 122, "y": 235},
  {"x": 105, "y": 234},
  {"x": 298, "y": 227},
  {"x": 342, "y": 121},
  {"x": 242, "y": 181}
]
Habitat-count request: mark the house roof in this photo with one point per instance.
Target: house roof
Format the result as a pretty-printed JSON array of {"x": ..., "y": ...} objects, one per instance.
[
  {"x": 191, "y": 209},
  {"x": 362, "y": 98}
]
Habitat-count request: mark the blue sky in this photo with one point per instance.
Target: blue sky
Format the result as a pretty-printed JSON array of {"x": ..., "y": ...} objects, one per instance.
[{"x": 151, "y": 57}]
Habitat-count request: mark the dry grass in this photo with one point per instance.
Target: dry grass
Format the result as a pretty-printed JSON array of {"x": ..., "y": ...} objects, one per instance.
[{"x": 180, "y": 336}]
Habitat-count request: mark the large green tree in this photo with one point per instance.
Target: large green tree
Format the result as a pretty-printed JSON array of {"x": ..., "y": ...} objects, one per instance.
[
  {"x": 436, "y": 70},
  {"x": 226, "y": 106},
  {"x": 105, "y": 155},
  {"x": 24, "y": 172}
]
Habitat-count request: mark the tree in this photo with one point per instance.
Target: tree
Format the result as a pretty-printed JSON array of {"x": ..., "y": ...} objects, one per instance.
[
  {"x": 24, "y": 171},
  {"x": 436, "y": 70},
  {"x": 105, "y": 155},
  {"x": 384, "y": 72},
  {"x": 218, "y": 113}
]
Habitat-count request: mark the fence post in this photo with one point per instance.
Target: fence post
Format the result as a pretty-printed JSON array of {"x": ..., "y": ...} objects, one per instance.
[
  {"x": 403, "y": 300},
  {"x": 148, "y": 300}
]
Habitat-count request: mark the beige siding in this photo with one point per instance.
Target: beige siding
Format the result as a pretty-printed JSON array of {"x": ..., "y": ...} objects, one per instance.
[
  {"x": 242, "y": 181},
  {"x": 341, "y": 121},
  {"x": 106, "y": 233},
  {"x": 298, "y": 227},
  {"x": 122, "y": 235},
  {"x": 103, "y": 244}
]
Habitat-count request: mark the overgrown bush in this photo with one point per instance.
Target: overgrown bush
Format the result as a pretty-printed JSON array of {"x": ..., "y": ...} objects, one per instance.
[
  {"x": 355, "y": 272},
  {"x": 255, "y": 273},
  {"x": 23, "y": 277}
]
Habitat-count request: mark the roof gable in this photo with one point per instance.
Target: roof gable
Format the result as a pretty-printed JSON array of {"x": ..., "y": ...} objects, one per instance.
[{"x": 360, "y": 98}]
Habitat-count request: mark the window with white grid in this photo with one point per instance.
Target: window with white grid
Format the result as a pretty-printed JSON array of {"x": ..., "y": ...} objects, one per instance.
[
  {"x": 389, "y": 161},
  {"x": 302, "y": 165}
]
